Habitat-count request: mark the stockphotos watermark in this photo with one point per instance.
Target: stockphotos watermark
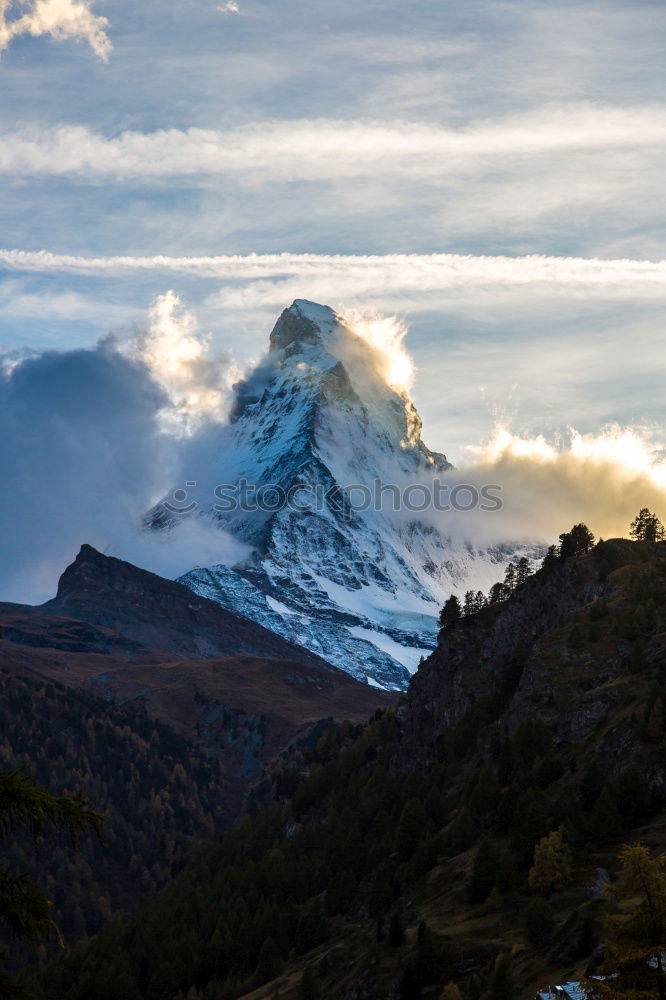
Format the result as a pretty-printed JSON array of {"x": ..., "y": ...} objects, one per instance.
[{"x": 346, "y": 502}]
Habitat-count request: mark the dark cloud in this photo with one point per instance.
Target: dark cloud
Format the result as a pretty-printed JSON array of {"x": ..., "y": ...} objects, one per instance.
[{"x": 84, "y": 456}]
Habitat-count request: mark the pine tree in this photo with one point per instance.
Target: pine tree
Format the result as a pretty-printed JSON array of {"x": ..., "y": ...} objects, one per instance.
[
  {"x": 523, "y": 571},
  {"x": 450, "y": 614},
  {"x": 502, "y": 986},
  {"x": 539, "y": 923},
  {"x": 497, "y": 593},
  {"x": 23, "y": 805},
  {"x": 576, "y": 542},
  {"x": 480, "y": 601},
  {"x": 463, "y": 831},
  {"x": 606, "y": 818},
  {"x": 308, "y": 988},
  {"x": 270, "y": 961},
  {"x": 551, "y": 559},
  {"x": 646, "y": 527},
  {"x": 553, "y": 863},
  {"x": 484, "y": 872},
  {"x": 636, "y": 931},
  {"x": 510, "y": 576},
  {"x": 469, "y": 604},
  {"x": 411, "y": 827}
]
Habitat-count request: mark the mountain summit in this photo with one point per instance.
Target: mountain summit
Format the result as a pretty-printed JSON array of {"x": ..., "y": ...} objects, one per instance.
[{"x": 316, "y": 430}]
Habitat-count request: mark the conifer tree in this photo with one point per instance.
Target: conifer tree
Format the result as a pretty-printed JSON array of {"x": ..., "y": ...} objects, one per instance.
[
  {"x": 636, "y": 931},
  {"x": 510, "y": 578},
  {"x": 396, "y": 930},
  {"x": 484, "y": 872},
  {"x": 646, "y": 527},
  {"x": 270, "y": 961},
  {"x": 553, "y": 863},
  {"x": 23, "y": 805},
  {"x": 576, "y": 542},
  {"x": 497, "y": 593},
  {"x": 551, "y": 559},
  {"x": 308, "y": 988},
  {"x": 502, "y": 986},
  {"x": 411, "y": 827},
  {"x": 469, "y": 604},
  {"x": 450, "y": 614},
  {"x": 606, "y": 818},
  {"x": 539, "y": 923},
  {"x": 523, "y": 571}
]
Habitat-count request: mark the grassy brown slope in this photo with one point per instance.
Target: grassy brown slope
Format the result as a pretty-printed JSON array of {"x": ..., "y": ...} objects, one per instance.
[{"x": 286, "y": 694}]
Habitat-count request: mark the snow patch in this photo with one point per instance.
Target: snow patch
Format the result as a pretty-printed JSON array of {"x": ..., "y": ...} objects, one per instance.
[{"x": 409, "y": 656}]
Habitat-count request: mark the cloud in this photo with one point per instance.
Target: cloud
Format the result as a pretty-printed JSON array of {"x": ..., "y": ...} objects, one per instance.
[
  {"x": 61, "y": 19},
  {"x": 386, "y": 335},
  {"x": 197, "y": 383},
  {"x": 601, "y": 478},
  {"x": 419, "y": 272},
  {"x": 270, "y": 280},
  {"x": 93, "y": 438},
  {"x": 87, "y": 449},
  {"x": 230, "y": 7},
  {"x": 330, "y": 149}
]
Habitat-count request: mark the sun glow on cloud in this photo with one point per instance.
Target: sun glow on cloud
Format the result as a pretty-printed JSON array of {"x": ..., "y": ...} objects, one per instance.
[
  {"x": 386, "y": 335},
  {"x": 197, "y": 382},
  {"x": 602, "y": 478},
  {"x": 631, "y": 450},
  {"x": 61, "y": 19}
]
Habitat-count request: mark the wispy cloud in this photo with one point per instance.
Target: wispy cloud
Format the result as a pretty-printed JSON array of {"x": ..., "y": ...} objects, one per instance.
[
  {"x": 331, "y": 149},
  {"x": 62, "y": 20},
  {"x": 260, "y": 280},
  {"x": 230, "y": 7}
]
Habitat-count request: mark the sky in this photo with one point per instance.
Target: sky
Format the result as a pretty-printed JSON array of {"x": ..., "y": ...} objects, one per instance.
[{"x": 489, "y": 173}]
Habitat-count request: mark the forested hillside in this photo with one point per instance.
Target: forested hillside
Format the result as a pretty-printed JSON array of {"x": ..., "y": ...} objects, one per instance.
[
  {"x": 464, "y": 837},
  {"x": 160, "y": 795}
]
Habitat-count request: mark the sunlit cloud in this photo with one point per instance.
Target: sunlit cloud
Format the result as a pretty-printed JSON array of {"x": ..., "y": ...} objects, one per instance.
[
  {"x": 386, "y": 336},
  {"x": 230, "y": 7},
  {"x": 62, "y": 20},
  {"x": 547, "y": 484},
  {"x": 196, "y": 380}
]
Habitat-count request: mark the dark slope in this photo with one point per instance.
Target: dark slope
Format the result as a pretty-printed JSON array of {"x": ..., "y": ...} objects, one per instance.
[
  {"x": 166, "y": 740},
  {"x": 230, "y": 685},
  {"x": 161, "y": 795},
  {"x": 563, "y": 650},
  {"x": 545, "y": 712},
  {"x": 159, "y": 613}
]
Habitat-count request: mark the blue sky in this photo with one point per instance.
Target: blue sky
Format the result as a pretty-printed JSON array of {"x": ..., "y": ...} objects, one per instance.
[
  {"x": 489, "y": 131},
  {"x": 472, "y": 128}
]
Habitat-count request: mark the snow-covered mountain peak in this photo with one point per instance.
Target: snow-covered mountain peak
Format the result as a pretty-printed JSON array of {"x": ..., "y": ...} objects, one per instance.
[
  {"x": 316, "y": 427},
  {"x": 303, "y": 326}
]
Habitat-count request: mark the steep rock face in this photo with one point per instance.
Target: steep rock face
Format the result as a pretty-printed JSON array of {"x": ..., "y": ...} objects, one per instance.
[
  {"x": 318, "y": 421},
  {"x": 158, "y": 613},
  {"x": 559, "y": 649}
]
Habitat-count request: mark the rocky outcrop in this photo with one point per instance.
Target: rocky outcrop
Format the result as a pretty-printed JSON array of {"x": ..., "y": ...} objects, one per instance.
[
  {"x": 545, "y": 653},
  {"x": 161, "y": 614}
]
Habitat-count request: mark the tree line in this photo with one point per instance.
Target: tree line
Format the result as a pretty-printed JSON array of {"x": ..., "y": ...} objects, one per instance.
[{"x": 645, "y": 527}]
